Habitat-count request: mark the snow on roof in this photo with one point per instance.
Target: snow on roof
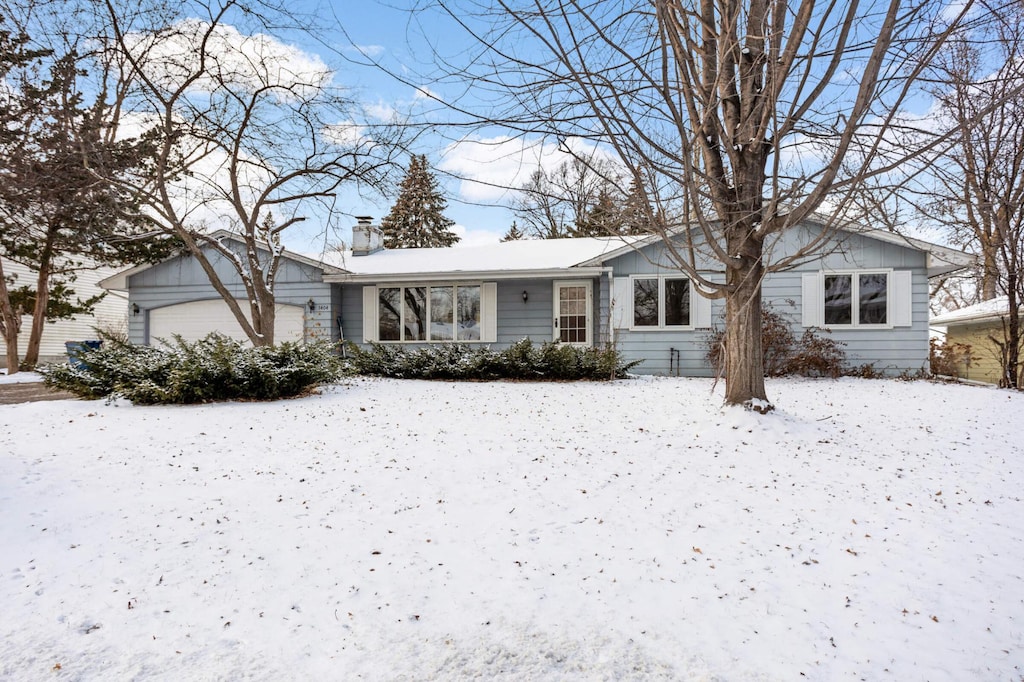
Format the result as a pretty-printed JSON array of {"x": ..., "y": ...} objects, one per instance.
[
  {"x": 985, "y": 310},
  {"x": 512, "y": 256}
]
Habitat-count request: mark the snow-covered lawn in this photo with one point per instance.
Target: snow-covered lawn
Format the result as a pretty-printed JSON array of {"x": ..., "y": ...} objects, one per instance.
[
  {"x": 19, "y": 377},
  {"x": 413, "y": 530}
]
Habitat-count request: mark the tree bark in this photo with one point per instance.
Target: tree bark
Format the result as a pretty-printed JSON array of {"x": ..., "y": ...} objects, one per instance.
[
  {"x": 11, "y": 323},
  {"x": 744, "y": 359},
  {"x": 35, "y": 338}
]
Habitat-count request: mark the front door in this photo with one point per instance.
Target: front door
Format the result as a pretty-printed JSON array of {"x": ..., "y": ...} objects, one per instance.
[{"x": 572, "y": 312}]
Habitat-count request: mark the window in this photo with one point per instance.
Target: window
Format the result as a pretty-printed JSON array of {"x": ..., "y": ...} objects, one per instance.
[
  {"x": 660, "y": 302},
  {"x": 453, "y": 312},
  {"x": 856, "y": 299}
]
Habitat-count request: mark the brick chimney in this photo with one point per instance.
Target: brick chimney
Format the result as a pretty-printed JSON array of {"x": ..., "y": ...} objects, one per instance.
[{"x": 366, "y": 237}]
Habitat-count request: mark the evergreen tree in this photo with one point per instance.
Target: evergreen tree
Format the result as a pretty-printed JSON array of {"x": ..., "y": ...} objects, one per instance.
[
  {"x": 603, "y": 219},
  {"x": 514, "y": 233},
  {"x": 61, "y": 208},
  {"x": 417, "y": 219},
  {"x": 637, "y": 215}
]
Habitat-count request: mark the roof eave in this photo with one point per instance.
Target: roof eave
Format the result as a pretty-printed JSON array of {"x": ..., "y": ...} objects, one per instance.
[{"x": 463, "y": 275}]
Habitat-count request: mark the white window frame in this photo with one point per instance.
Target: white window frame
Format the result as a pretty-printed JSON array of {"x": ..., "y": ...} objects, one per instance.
[
  {"x": 855, "y": 298},
  {"x": 661, "y": 326},
  {"x": 487, "y": 313},
  {"x": 556, "y": 333}
]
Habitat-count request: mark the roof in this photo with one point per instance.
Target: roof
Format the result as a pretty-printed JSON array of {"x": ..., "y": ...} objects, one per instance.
[
  {"x": 941, "y": 259},
  {"x": 992, "y": 309},
  {"x": 509, "y": 259},
  {"x": 119, "y": 281}
]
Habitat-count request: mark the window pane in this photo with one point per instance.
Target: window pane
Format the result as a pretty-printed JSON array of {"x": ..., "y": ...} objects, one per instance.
[
  {"x": 442, "y": 313},
  {"x": 415, "y": 324},
  {"x": 389, "y": 315},
  {"x": 677, "y": 302},
  {"x": 872, "y": 293},
  {"x": 469, "y": 313},
  {"x": 838, "y": 299},
  {"x": 645, "y": 302}
]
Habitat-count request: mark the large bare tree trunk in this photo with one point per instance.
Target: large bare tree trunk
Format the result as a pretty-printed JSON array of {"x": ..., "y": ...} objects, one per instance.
[
  {"x": 10, "y": 324},
  {"x": 744, "y": 359}
]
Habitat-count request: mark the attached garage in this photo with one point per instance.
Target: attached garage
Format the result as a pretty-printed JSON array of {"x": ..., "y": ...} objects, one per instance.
[{"x": 195, "y": 319}]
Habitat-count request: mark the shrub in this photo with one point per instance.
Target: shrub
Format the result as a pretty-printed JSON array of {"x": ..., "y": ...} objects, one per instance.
[
  {"x": 211, "y": 369},
  {"x": 812, "y": 355},
  {"x": 949, "y": 359},
  {"x": 521, "y": 360}
]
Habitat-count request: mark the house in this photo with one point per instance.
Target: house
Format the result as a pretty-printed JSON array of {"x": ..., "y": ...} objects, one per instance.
[
  {"x": 175, "y": 298},
  {"x": 870, "y": 291},
  {"x": 976, "y": 326},
  {"x": 110, "y": 314}
]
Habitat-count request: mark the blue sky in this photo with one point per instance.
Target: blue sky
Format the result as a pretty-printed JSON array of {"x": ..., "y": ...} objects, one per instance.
[{"x": 395, "y": 37}]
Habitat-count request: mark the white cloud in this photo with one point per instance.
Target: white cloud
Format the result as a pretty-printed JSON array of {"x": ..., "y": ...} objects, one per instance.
[
  {"x": 245, "y": 61},
  {"x": 426, "y": 93},
  {"x": 488, "y": 167},
  {"x": 372, "y": 51},
  {"x": 381, "y": 111}
]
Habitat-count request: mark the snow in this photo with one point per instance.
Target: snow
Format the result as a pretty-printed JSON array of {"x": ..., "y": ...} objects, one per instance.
[
  {"x": 990, "y": 309},
  {"x": 18, "y": 377},
  {"x": 417, "y": 530},
  {"x": 518, "y": 255}
]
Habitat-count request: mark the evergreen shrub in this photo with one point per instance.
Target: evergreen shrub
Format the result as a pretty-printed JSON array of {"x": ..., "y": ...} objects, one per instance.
[
  {"x": 522, "y": 360},
  {"x": 212, "y": 369}
]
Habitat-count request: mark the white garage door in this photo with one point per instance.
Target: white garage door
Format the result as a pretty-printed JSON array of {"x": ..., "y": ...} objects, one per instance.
[{"x": 195, "y": 319}]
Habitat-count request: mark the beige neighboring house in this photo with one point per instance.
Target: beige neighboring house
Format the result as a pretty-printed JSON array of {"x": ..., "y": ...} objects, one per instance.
[
  {"x": 110, "y": 313},
  {"x": 973, "y": 326}
]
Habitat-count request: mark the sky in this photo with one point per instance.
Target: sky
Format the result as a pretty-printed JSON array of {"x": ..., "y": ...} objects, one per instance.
[
  {"x": 416, "y": 530},
  {"x": 384, "y": 54},
  {"x": 392, "y": 35}
]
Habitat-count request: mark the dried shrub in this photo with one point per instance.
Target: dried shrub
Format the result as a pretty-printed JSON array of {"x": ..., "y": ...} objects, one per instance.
[
  {"x": 811, "y": 355},
  {"x": 949, "y": 359}
]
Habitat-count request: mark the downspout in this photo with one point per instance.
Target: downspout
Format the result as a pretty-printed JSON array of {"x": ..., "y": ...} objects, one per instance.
[{"x": 611, "y": 324}]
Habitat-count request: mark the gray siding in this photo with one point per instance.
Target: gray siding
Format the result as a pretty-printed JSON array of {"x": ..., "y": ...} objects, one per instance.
[
  {"x": 517, "y": 320},
  {"x": 181, "y": 280},
  {"x": 895, "y": 350}
]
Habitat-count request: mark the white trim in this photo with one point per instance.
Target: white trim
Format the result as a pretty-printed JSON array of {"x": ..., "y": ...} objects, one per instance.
[
  {"x": 661, "y": 326},
  {"x": 902, "y": 298},
  {"x": 465, "y": 277},
  {"x": 855, "y": 298},
  {"x": 812, "y": 299},
  {"x": 555, "y": 331},
  {"x": 622, "y": 302},
  {"x": 488, "y": 311},
  {"x": 370, "y": 314}
]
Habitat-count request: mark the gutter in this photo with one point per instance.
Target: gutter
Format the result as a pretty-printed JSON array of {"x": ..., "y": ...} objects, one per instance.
[{"x": 462, "y": 275}]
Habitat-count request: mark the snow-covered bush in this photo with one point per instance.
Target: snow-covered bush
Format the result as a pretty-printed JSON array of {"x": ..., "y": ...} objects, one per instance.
[
  {"x": 521, "y": 360},
  {"x": 211, "y": 369}
]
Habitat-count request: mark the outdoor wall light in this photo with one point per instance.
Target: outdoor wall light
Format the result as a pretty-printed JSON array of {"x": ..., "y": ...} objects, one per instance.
[
  {"x": 526, "y": 295},
  {"x": 311, "y": 305},
  {"x": 135, "y": 308}
]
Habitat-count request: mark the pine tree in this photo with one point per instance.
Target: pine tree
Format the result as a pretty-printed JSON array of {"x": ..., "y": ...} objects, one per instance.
[
  {"x": 514, "y": 233},
  {"x": 417, "y": 219},
  {"x": 603, "y": 219},
  {"x": 637, "y": 215}
]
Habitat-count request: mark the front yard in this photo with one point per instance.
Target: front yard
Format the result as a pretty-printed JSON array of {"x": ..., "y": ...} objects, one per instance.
[{"x": 418, "y": 530}]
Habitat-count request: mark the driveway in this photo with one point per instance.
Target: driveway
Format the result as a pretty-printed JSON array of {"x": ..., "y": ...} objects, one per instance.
[{"x": 30, "y": 392}]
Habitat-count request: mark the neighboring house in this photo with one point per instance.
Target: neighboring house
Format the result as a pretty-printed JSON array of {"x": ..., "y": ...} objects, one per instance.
[
  {"x": 976, "y": 326},
  {"x": 870, "y": 292},
  {"x": 110, "y": 314}
]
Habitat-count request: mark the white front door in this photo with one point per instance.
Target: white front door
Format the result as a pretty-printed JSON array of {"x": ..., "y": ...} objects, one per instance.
[{"x": 573, "y": 303}]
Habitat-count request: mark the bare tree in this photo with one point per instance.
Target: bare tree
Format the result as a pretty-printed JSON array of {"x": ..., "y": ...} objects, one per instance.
[
  {"x": 739, "y": 113},
  {"x": 978, "y": 188},
  {"x": 244, "y": 125},
  {"x": 556, "y": 203}
]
